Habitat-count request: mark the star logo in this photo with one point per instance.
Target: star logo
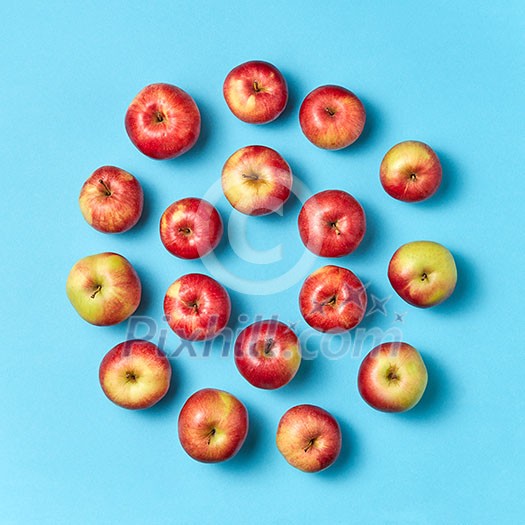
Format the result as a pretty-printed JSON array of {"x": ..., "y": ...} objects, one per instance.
[
  {"x": 378, "y": 305},
  {"x": 400, "y": 317}
]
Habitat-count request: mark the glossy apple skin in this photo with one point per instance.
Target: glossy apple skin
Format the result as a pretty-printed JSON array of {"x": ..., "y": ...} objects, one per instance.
[
  {"x": 111, "y": 200},
  {"x": 423, "y": 273},
  {"x": 332, "y": 117},
  {"x": 163, "y": 121},
  {"x": 309, "y": 438},
  {"x": 410, "y": 171},
  {"x": 332, "y": 299},
  {"x": 392, "y": 377},
  {"x": 332, "y": 223},
  {"x": 135, "y": 374},
  {"x": 256, "y": 180},
  {"x": 213, "y": 425},
  {"x": 190, "y": 228},
  {"x": 267, "y": 354},
  {"x": 256, "y": 92},
  {"x": 197, "y": 307},
  {"x": 104, "y": 288}
]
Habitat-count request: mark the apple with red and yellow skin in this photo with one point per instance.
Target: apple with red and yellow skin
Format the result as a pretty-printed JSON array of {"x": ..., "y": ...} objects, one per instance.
[
  {"x": 423, "y": 273},
  {"x": 392, "y": 377},
  {"x": 410, "y": 171},
  {"x": 163, "y": 121},
  {"x": 256, "y": 92},
  {"x": 111, "y": 200},
  {"x": 332, "y": 117},
  {"x": 135, "y": 374},
  {"x": 190, "y": 228},
  {"x": 332, "y": 223},
  {"x": 213, "y": 425},
  {"x": 104, "y": 288},
  {"x": 332, "y": 299},
  {"x": 256, "y": 180},
  {"x": 309, "y": 438},
  {"x": 197, "y": 307},
  {"x": 267, "y": 354}
]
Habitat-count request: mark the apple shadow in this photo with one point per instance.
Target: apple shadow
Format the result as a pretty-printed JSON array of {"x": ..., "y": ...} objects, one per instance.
[
  {"x": 147, "y": 208},
  {"x": 438, "y": 396},
  {"x": 295, "y": 97},
  {"x": 348, "y": 457}
]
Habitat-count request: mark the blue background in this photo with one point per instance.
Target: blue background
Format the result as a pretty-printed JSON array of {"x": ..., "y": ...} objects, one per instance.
[{"x": 450, "y": 75}]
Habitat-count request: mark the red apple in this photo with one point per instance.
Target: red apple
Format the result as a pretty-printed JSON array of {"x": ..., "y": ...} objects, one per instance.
[
  {"x": 104, "y": 288},
  {"x": 392, "y": 377},
  {"x": 213, "y": 425},
  {"x": 197, "y": 307},
  {"x": 332, "y": 223},
  {"x": 111, "y": 200},
  {"x": 267, "y": 354},
  {"x": 163, "y": 121},
  {"x": 190, "y": 228},
  {"x": 410, "y": 171},
  {"x": 332, "y": 117},
  {"x": 423, "y": 273},
  {"x": 256, "y": 180},
  {"x": 309, "y": 438},
  {"x": 332, "y": 299},
  {"x": 135, "y": 374},
  {"x": 255, "y": 92}
]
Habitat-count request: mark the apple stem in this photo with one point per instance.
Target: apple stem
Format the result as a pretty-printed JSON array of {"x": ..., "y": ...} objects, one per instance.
[
  {"x": 159, "y": 116},
  {"x": 310, "y": 445},
  {"x": 268, "y": 346},
  {"x": 256, "y": 87},
  {"x": 98, "y": 288},
  {"x": 334, "y": 226},
  {"x": 331, "y": 301},
  {"x": 424, "y": 276},
  {"x": 108, "y": 191},
  {"x": 251, "y": 176},
  {"x": 330, "y": 111},
  {"x": 210, "y": 435}
]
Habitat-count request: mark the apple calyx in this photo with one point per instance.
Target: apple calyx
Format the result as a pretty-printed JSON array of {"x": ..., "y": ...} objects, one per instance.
[
  {"x": 106, "y": 188},
  {"x": 159, "y": 117},
  {"x": 185, "y": 230},
  {"x": 131, "y": 377},
  {"x": 391, "y": 374},
  {"x": 413, "y": 176},
  {"x": 424, "y": 276}
]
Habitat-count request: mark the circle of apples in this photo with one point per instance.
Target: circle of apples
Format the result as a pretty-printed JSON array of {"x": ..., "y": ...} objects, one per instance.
[{"x": 163, "y": 122}]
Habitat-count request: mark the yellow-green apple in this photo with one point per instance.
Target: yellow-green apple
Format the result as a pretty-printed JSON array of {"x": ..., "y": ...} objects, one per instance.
[
  {"x": 135, "y": 374},
  {"x": 163, "y": 121},
  {"x": 190, "y": 228},
  {"x": 213, "y": 425},
  {"x": 309, "y": 438},
  {"x": 197, "y": 307},
  {"x": 332, "y": 223},
  {"x": 111, "y": 200},
  {"x": 423, "y": 273},
  {"x": 332, "y": 299},
  {"x": 256, "y": 92},
  {"x": 268, "y": 354},
  {"x": 392, "y": 377},
  {"x": 104, "y": 288},
  {"x": 256, "y": 180},
  {"x": 410, "y": 171},
  {"x": 332, "y": 117}
]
